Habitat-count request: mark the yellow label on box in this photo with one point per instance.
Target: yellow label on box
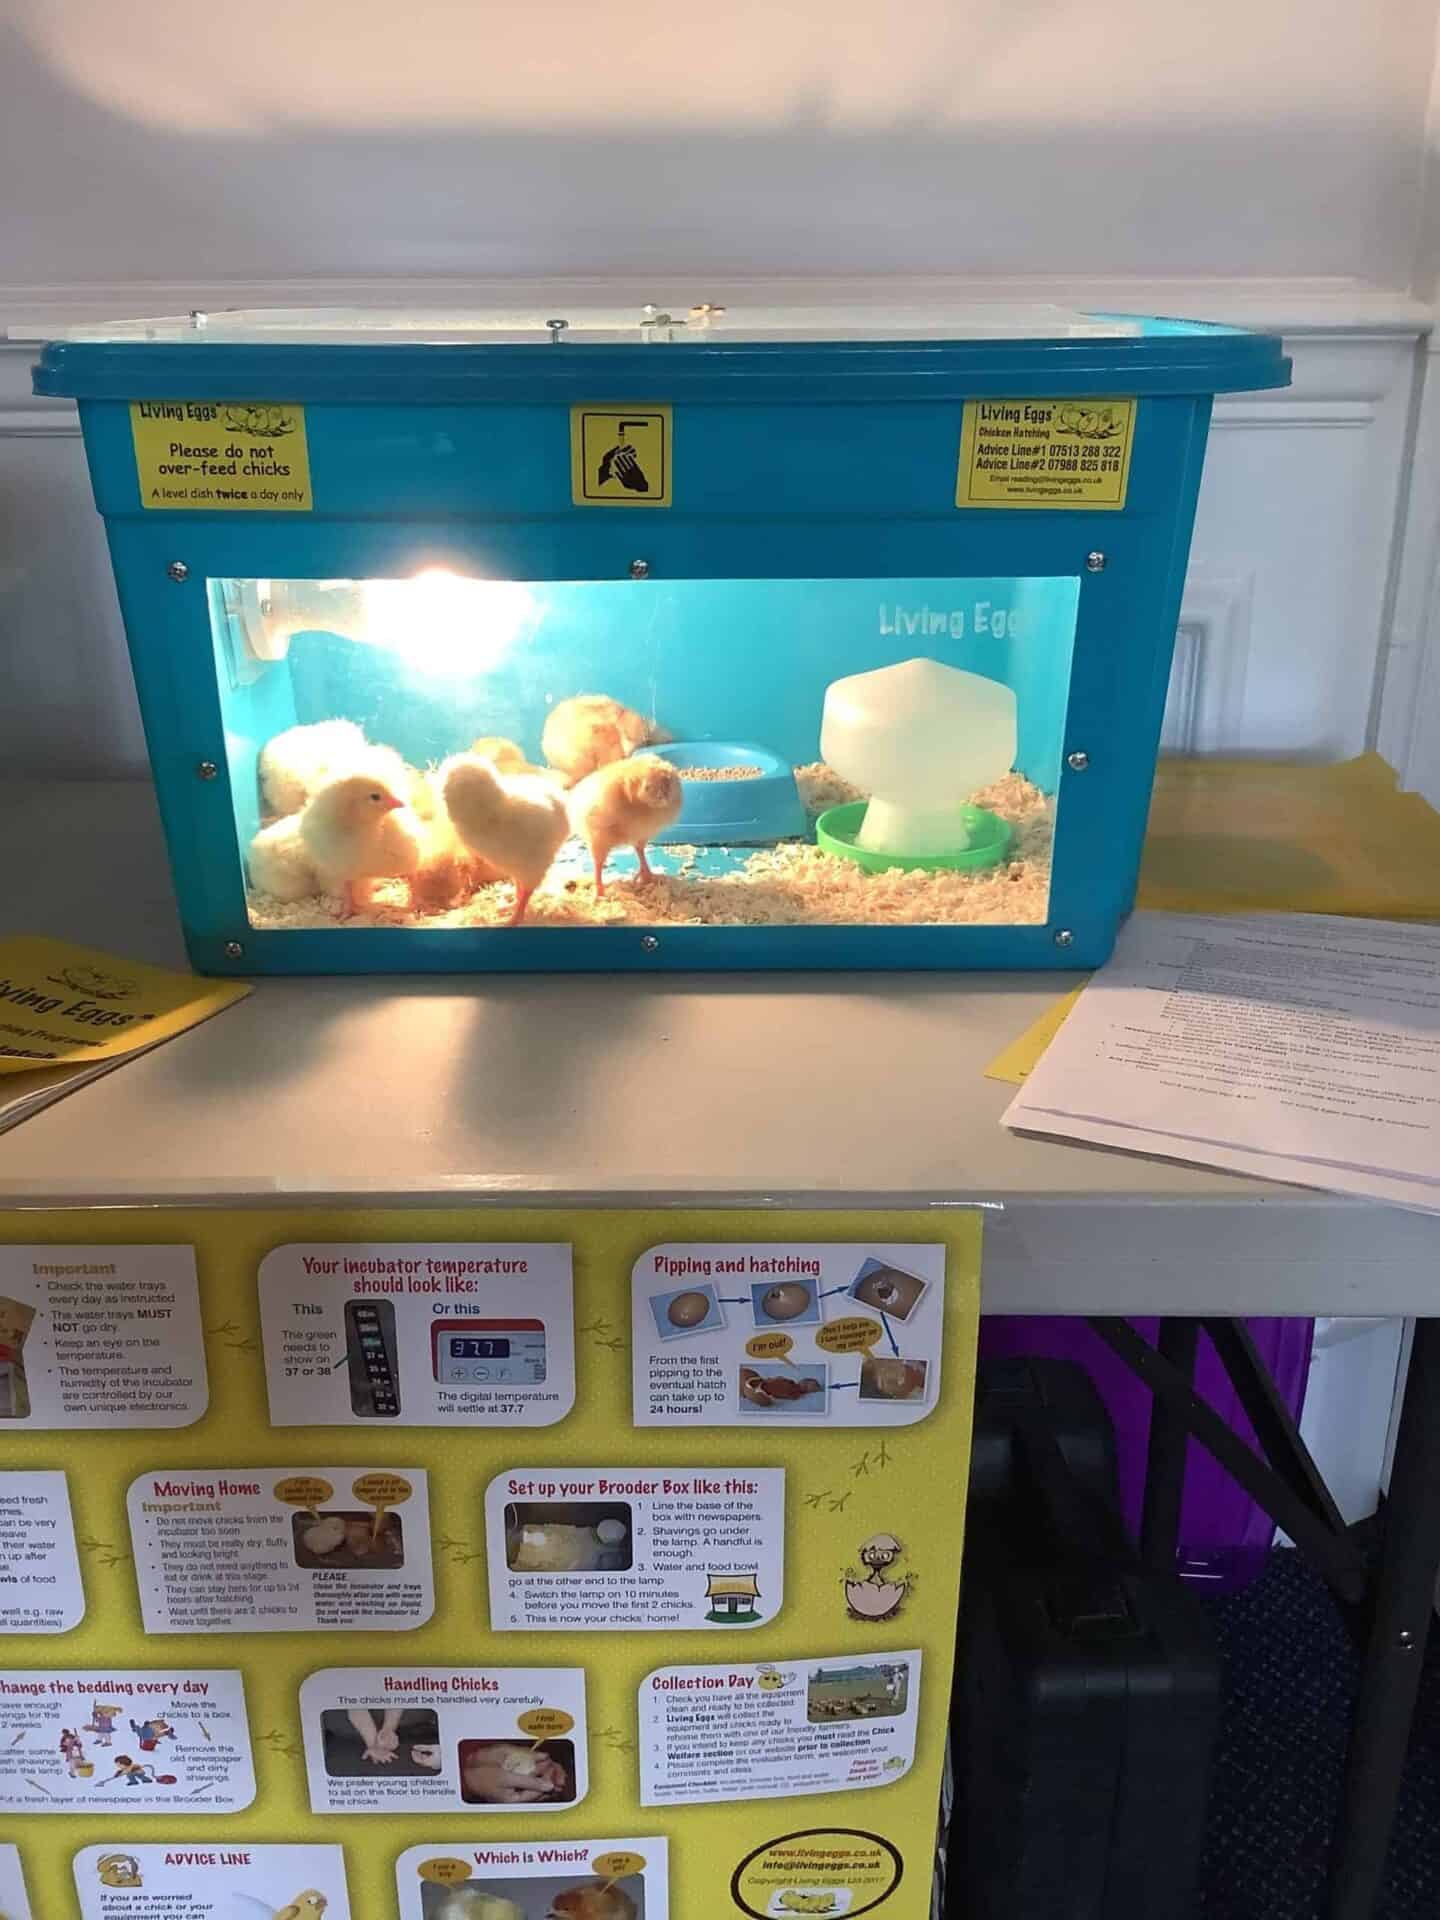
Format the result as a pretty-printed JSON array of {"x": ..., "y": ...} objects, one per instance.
[
  {"x": 621, "y": 456},
  {"x": 1045, "y": 453},
  {"x": 221, "y": 456}
]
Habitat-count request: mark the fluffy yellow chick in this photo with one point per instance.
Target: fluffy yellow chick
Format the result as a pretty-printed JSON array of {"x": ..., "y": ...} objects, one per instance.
[
  {"x": 280, "y": 863},
  {"x": 469, "y": 1903},
  {"x": 625, "y": 805},
  {"x": 297, "y": 763},
  {"x": 512, "y": 820},
  {"x": 448, "y": 872},
  {"x": 502, "y": 753},
  {"x": 358, "y": 829},
  {"x": 591, "y": 731}
]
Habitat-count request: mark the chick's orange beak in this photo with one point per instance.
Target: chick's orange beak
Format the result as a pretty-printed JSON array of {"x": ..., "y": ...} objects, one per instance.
[{"x": 390, "y": 803}]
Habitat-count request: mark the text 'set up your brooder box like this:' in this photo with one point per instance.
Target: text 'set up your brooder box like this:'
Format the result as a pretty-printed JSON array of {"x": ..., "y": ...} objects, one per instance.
[{"x": 822, "y": 638}]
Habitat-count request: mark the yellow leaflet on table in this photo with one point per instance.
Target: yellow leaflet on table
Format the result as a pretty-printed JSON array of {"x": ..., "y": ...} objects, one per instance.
[
  {"x": 1018, "y": 1060},
  {"x": 67, "y": 1005},
  {"x": 1243, "y": 836},
  {"x": 760, "y": 1729}
]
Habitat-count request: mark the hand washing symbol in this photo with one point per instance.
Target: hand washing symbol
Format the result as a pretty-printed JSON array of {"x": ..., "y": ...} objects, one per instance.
[{"x": 622, "y": 463}]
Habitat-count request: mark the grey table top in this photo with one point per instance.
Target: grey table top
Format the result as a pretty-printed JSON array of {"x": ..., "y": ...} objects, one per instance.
[{"x": 779, "y": 1090}]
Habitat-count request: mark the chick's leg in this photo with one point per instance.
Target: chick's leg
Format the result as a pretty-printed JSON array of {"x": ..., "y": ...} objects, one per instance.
[
  {"x": 646, "y": 872},
  {"x": 600, "y": 851},
  {"x": 522, "y": 901}
]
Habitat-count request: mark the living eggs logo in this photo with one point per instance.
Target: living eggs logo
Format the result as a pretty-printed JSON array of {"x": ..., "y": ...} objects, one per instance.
[
  {"x": 264, "y": 423},
  {"x": 982, "y": 618},
  {"x": 100, "y": 986}
]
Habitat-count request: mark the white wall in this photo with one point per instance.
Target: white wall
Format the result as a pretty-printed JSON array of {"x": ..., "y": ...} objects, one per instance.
[
  {"x": 157, "y": 155},
  {"x": 160, "y": 139}
]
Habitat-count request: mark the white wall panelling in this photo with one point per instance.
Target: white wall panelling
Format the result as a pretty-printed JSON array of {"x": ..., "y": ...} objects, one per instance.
[
  {"x": 1300, "y": 498},
  {"x": 1283, "y": 645},
  {"x": 67, "y": 704}
]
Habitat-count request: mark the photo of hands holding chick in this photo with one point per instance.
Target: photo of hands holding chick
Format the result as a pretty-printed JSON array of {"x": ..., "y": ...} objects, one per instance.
[
  {"x": 404, "y": 1741},
  {"x": 346, "y": 817},
  {"x": 385, "y": 1744}
]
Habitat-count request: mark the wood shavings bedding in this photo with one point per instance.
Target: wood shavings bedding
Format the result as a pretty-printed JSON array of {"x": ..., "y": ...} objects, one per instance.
[
  {"x": 790, "y": 885},
  {"x": 720, "y": 773}
]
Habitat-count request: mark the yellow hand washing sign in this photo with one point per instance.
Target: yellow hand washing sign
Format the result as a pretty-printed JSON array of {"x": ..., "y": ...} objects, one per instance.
[
  {"x": 221, "y": 456},
  {"x": 1045, "y": 453},
  {"x": 621, "y": 456}
]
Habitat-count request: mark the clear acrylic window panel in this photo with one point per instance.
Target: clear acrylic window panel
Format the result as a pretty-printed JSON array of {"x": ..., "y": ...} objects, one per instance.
[{"x": 915, "y": 794}]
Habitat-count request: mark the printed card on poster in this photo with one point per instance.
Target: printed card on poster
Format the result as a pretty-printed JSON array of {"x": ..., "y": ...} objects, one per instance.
[
  {"x": 14, "y": 1900},
  {"x": 567, "y": 1878},
  {"x": 40, "y": 1585},
  {"x": 430, "y": 1738},
  {"x": 283, "y": 1549},
  {"x": 819, "y": 1725},
  {"x": 224, "y": 1879},
  {"x": 100, "y": 1336},
  {"x": 621, "y": 1549},
  {"x": 783, "y": 1335},
  {"x": 464, "y": 1334},
  {"x": 153, "y": 1741}
]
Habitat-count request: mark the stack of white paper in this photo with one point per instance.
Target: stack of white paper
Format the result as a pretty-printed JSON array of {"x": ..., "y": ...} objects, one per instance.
[{"x": 1300, "y": 1047}]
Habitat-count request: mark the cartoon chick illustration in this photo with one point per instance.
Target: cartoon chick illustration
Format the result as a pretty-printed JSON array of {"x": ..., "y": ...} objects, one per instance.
[
  {"x": 875, "y": 1596},
  {"x": 305, "y": 1906},
  {"x": 770, "y": 1681}
]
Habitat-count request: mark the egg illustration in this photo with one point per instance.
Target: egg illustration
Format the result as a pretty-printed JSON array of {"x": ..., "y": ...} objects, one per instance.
[
  {"x": 688, "y": 1309},
  {"x": 785, "y": 1301}
]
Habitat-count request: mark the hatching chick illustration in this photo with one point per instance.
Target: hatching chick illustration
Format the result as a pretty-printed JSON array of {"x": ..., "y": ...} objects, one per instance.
[
  {"x": 591, "y": 731},
  {"x": 512, "y": 820},
  {"x": 358, "y": 829},
  {"x": 597, "y": 1902},
  {"x": 625, "y": 805}
]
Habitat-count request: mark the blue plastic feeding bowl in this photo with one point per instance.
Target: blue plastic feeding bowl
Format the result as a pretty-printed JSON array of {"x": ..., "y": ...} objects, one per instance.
[{"x": 748, "y": 809}]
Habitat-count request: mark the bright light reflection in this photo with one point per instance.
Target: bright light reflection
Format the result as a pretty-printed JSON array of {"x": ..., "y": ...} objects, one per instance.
[{"x": 442, "y": 623}]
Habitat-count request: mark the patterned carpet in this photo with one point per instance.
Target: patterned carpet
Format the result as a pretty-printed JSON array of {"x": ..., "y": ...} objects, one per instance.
[{"x": 1291, "y": 1673}]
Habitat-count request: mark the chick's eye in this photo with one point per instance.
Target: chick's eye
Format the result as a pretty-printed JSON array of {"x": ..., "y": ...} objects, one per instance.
[{"x": 374, "y": 796}]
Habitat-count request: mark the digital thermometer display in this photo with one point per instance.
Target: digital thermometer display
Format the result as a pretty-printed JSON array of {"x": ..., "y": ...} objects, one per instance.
[{"x": 488, "y": 1353}]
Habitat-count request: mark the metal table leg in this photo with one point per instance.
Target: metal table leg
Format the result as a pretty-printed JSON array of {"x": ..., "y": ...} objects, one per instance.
[
  {"x": 1390, "y": 1677},
  {"x": 1169, "y": 1449}
]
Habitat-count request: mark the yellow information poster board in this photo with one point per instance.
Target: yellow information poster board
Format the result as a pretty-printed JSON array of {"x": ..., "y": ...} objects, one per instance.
[{"x": 478, "y": 1564}]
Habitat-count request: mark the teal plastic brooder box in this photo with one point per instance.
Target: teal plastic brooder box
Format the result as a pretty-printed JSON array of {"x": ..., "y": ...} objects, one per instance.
[{"x": 443, "y": 529}]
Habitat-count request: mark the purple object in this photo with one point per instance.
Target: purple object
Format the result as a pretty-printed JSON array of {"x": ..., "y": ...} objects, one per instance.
[{"x": 1224, "y": 1536}]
